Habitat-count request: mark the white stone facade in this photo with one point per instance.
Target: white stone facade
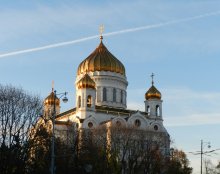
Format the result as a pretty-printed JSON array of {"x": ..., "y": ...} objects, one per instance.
[
  {"x": 107, "y": 102},
  {"x": 115, "y": 85}
]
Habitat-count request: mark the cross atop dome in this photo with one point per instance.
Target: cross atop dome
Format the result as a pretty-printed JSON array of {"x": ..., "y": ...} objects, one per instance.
[
  {"x": 101, "y": 30},
  {"x": 152, "y": 76},
  {"x": 101, "y": 60},
  {"x": 52, "y": 85},
  {"x": 153, "y": 92}
]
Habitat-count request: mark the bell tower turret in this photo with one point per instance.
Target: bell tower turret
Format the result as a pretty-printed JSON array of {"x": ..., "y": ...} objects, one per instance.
[
  {"x": 153, "y": 102},
  {"x": 85, "y": 96},
  {"x": 49, "y": 103}
]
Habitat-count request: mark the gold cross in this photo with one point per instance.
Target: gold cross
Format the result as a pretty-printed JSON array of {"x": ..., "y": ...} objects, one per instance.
[
  {"x": 52, "y": 86},
  {"x": 152, "y": 76},
  {"x": 101, "y": 30}
]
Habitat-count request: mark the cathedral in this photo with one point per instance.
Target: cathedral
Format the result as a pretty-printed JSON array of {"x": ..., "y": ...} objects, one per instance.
[{"x": 101, "y": 98}]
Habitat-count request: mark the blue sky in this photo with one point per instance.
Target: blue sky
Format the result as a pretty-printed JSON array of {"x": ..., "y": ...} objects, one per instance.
[{"x": 184, "y": 56}]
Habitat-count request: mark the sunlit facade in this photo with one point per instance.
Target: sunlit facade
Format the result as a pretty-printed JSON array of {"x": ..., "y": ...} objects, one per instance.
[{"x": 101, "y": 98}]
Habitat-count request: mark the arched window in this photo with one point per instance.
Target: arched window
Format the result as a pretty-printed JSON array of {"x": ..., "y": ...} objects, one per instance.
[
  {"x": 104, "y": 94},
  {"x": 137, "y": 123},
  {"x": 155, "y": 127},
  {"x": 148, "y": 110},
  {"x": 79, "y": 101},
  {"x": 114, "y": 95},
  {"x": 118, "y": 123},
  {"x": 121, "y": 96},
  {"x": 125, "y": 96},
  {"x": 90, "y": 124},
  {"x": 157, "y": 110},
  {"x": 89, "y": 101}
]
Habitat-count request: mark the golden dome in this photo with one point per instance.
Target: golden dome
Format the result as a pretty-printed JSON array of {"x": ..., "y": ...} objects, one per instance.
[
  {"x": 50, "y": 100},
  {"x": 86, "y": 82},
  {"x": 152, "y": 93},
  {"x": 101, "y": 60}
]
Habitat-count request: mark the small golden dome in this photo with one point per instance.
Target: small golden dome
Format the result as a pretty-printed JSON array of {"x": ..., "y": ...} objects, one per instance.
[
  {"x": 86, "y": 82},
  {"x": 50, "y": 100},
  {"x": 101, "y": 60},
  {"x": 152, "y": 93}
]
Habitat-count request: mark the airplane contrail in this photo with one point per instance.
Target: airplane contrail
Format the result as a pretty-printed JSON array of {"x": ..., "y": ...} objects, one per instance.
[
  {"x": 47, "y": 46},
  {"x": 109, "y": 34}
]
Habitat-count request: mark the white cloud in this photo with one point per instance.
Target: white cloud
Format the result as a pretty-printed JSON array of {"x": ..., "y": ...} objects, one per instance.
[
  {"x": 183, "y": 106},
  {"x": 194, "y": 119},
  {"x": 181, "y": 93},
  {"x": 135, "y": 106},
  {"x": 186, "y": 97}
]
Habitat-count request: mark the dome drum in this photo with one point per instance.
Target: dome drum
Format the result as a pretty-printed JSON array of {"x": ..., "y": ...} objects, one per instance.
[{"x": 103, "y": 71}]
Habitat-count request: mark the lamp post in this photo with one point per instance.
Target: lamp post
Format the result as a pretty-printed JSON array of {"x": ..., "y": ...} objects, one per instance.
[
  {"x": 65, "y": 99},
  {"x": 171, "y": 153},
  {"x": 202, "y": 152}
]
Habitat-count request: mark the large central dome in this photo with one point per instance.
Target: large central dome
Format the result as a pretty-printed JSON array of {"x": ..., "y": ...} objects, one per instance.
[{"x": 101, "y": 60}]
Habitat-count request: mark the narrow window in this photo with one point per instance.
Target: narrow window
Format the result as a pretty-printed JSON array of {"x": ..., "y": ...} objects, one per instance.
[
  {"x": 157, "y": 110},
  {"x": 118, "y": 123},
  {"x": 121, "y": 96},
  {"x": 89, "y": 101},
  {"x": 79, "y": 101},
  {"x": 104, "y": 94},
  {"x": 137, "y": 123},
  {"x": 125, "y": 98},
  {"x": 148, "y": 110},
  {"x": 114, "y": 95}
]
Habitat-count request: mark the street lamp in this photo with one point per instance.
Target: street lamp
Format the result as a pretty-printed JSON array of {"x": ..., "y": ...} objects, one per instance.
[
  {"x": 65, "y": 99},
  {"x": 202, "y": 152},
  {"x": 171, "y": 153}
]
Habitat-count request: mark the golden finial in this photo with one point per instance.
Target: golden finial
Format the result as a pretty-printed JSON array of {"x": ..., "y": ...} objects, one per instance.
[
  {"x": 101, "y": 30},
  {"x": 152, "y": 76},
  {"x": 52, "y": 85}
]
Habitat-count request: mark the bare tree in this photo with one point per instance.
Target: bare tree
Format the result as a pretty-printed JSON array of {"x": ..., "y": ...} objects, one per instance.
[
  {"x": 132, "y": 150},
  {"x": 178, "y": 164},
  {"x": 210, "y": 168},
  {"x": 18, "y": 112},
  {"x": 111, "y": 149},
  {"x": 120, "y": 149}
]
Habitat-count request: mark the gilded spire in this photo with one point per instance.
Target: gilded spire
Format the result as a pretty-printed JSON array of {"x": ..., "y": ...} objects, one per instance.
[
  {"x": 153, "y": 92},
  {"x": 101, "y": 30},
  {"x": 101, "y": 60},
  {"x": 49, "y": 100}
]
